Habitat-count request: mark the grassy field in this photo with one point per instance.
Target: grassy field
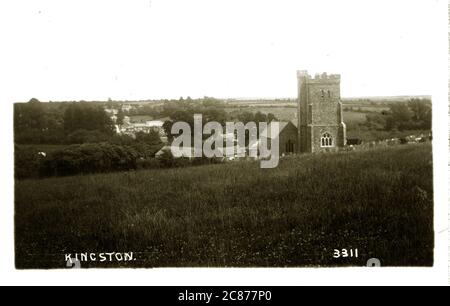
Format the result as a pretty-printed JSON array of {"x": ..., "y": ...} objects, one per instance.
[
  {"x": 374, "y": 135},
  {"x": 282, "y": 113},
  {"x": 238, "y": 215},
  {"x": 352, "y": 118}
]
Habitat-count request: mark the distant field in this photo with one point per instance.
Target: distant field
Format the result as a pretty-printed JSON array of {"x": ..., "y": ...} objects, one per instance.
[
  {"x": 237, "y": 215},
  {"x": 262, "y": 103},
  {"x": 284, "y": 113},
  {"x": 287, "y": 113},
  {"x": 367, "y": 109},
  {"x": 383, "y": 99},
  {"x": 354, "y": 117}
]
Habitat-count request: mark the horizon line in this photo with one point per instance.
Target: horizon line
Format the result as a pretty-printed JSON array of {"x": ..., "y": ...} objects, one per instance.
[{"x": 225, "y": 99}]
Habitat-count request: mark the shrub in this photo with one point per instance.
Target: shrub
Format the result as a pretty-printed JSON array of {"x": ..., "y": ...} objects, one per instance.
[
  {"x": 90, "y": 158},
  {"x": 84, "y": 136}
]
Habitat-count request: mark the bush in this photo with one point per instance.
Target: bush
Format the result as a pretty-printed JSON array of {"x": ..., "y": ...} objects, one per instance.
[
  {"x": 146, "y": 151},
  {"x": 90, "y": 158},
  {"x": 375, "y": 121},
  {"x": 95, "y": 158},
  {"x": 84, "y": 136}
]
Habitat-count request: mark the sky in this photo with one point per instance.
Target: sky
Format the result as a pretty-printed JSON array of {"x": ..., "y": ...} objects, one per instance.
[{"x": 151, "y": 49}]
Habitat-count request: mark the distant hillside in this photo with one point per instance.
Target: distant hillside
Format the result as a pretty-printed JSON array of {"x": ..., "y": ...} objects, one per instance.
[
  {"x": 257, "y": 101},
  {"x": 346, "y": 100},
  {"x": 383, "y": 98}
]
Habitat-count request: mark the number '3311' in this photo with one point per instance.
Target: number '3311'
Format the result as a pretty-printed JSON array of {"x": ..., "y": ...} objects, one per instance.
[{"x": 346, "y": 253}]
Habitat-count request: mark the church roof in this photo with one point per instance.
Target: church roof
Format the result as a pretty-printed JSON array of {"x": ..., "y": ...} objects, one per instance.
[{"x": 267, "y": 133}]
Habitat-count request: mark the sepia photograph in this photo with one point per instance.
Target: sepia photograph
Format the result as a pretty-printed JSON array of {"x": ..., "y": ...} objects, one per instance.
[
  {"x": 226, "y": 134},
  {"x": 103, "y": 183}
]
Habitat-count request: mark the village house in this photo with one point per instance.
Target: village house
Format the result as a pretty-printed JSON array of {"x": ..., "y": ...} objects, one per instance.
[
  {"x": 131, "y": 128},
  {"x": 126, "y": 108},
  {"x": 112, "y": 113}
]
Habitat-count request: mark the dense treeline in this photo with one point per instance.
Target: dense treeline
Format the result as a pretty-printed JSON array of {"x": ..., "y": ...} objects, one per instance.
[
  {"x": 82, "y": 159},
  {"x": 96, "y": 158},
  {"x": 75, "y": 138},
  {"x": 415, "y": 114},
  {"x": 87, "y": 122},
  {"x": 89, "y": 158},
  {"x": 85, "y": 117},
  {"x": 61, "y": 123}
]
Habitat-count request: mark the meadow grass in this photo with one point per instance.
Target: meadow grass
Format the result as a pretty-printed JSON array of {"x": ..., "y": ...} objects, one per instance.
[{"x": 238, "y": 215}]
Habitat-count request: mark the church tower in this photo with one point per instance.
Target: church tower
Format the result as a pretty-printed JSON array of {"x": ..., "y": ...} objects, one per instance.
[{"x": 320, "y": 121}]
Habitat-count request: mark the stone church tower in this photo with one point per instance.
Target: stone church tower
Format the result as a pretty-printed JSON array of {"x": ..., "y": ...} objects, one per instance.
[{"x": 320, "y": 122}]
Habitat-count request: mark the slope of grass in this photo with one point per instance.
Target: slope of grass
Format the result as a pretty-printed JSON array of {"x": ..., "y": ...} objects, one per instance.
[{"x": 379, "y": 201}]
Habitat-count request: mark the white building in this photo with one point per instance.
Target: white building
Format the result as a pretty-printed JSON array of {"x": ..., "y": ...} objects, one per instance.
[
  {"x": 127, "y": 107},
  {"x": 129, "y": 128},
  {"x": 111, "y": 111}
]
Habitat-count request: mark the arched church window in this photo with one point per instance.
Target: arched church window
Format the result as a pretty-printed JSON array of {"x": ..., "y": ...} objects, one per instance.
[
  {"x": 323, "y": 93},
  {"x": 329, "y": 94},
  {"x": 326, "y": 141}
]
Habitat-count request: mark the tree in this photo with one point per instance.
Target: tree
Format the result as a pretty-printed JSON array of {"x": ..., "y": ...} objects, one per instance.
[
  {"x": 421, "y": 112},
  {"x": 271, "y": 117},
  {"x": 399, "y": 117},
  {"x": 375, "y": 121},
  {"x": 411, "y": 115},
  {"x": 84, "y": 136},
  {"x": 82, "y": 116},
  {"x": 36, "y": 122},
  {"x": 246, "y": 117},
  {"x": 33, "y": 100},
  {"x": 215, "y": 114},
  {"x": 151, "y": 138},
  {"x": 120, "y": 117},
  {"x": 260, "y": 117},
  {"x": 30, "y": 115},
  {"x": 167, "y": 126}
]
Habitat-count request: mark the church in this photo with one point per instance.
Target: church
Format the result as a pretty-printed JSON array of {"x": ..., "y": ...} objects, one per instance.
[
  {"x": 320, "y": 121},
  {"x": 320, "y": 125}
]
